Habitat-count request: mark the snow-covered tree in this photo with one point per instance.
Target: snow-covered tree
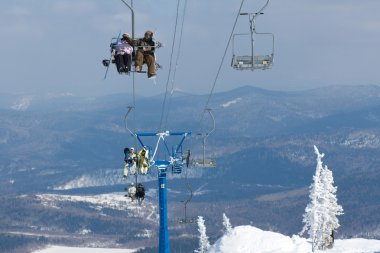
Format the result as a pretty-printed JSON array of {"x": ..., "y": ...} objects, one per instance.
[
  {"x": 204, "y": 244},
  {"x": 313, "y": 213},
  {"x": 226, "y": 224},
  {"x": 320, "y": 214},
  {"x": 330, "y": 206}
]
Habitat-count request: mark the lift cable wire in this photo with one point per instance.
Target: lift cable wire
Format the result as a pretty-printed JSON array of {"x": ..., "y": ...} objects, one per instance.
[
  {"x": 130, "y": 7},
  {"x": 176, "y": 62},
  {"x": 220, "y": 66},
  {"x": 170, "y": 68}
]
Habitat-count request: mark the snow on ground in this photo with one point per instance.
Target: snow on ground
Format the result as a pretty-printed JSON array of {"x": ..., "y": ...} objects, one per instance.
[
  {"x": 229, "y": 103},
  {"x": 59, "y": 249},
  {"x": 99, "y": 178},
  {"x": 248, "y": 239},
  {"x": 22, "y": 104},
  {"x": 116, "y": 201}
]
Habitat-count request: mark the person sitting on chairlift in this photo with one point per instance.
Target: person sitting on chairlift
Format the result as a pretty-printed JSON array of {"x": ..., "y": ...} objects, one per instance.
[
  {"x": 145, "y": 53},
  {"x": 123, "y": 54},
  {"x": 140, "y": 193},
  {"x": 131, "y": 192},
  {"x": 143, "y": 161},
  {"x": 130, "y": 160}
]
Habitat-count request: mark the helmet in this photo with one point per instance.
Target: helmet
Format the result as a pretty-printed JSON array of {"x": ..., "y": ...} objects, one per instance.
[
  {"x": 132, "y": 184},
  {"x": 131, "y": 148}
]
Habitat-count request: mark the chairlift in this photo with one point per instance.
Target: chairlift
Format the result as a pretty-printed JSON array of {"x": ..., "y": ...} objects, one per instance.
[
  {"x": 252, "y": 61},
  {"x": 180, "y": 159},
  {"x": 136, "y": 170},
  {"x": 186, "y": 219},
  {"x": 112, "y": 60},
  {"x": 177, "y": 166},
  {"x": 205, "y": 162},
  {"x": 114, "y": 42}
]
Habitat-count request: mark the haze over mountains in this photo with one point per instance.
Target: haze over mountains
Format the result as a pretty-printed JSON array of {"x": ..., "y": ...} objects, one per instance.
[{"x": 263, "y": 144}]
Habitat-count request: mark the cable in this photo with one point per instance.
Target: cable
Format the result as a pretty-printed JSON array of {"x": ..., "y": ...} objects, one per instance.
[
  {"x": 176, "y": 63},
  {"x": 221, "y": 64},
  {"x": 170, "y": 68}
]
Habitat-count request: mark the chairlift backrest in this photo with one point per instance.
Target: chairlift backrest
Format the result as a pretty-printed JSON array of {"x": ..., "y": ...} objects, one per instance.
[{"x": 206, "y": 163}]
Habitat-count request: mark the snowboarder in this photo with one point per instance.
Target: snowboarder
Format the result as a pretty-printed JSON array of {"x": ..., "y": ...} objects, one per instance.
[
  {"x": 143, "y": 161},
  {"x": 123, "y": 54},
  {"x": 145, "y": 53},
  {"x": 140, "y": 193},
  {"x": 131, "y": 192},
  {"x": 130, "y": 160}
]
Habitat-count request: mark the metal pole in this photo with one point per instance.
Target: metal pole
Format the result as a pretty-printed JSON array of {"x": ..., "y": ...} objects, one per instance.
[
  {"x": 204, "y": 150},
  {"x": 252, "y": 40},
  {"x": 164, "y": 246},
  {"x": 133, "y": 21},
  {"x": 134, "y": 102},
  {"x": 133, "y": 16}
]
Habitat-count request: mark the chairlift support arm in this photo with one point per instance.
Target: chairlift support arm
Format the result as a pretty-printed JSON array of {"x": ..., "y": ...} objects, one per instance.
[
  {"x": 133, "y": 16},
  {"x": 126, "y": 120},
  {"x": 161, "y": 137}
]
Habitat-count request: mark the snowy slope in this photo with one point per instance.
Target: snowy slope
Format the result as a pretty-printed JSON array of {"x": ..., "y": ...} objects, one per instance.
[
  {"x": 116, "y": 201},
  {"x": 58, "y": 249},
  {"x": 248, "y": 239}
]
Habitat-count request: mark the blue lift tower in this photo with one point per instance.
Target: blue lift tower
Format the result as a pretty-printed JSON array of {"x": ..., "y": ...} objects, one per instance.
[{"x": 175, "y": 158}]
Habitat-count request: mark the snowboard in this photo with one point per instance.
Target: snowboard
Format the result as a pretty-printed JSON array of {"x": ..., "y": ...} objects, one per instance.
[{"x": 130, "y": 164}]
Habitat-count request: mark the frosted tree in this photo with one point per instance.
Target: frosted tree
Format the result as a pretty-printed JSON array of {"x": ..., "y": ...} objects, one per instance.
[
  {"x": 331, "y": 208},
  {"x": 313, "y": 217},
  {"x": 204, "y": 244},
  {"x": 321, "y": 213},
  {"x": 226, "y": 224}
]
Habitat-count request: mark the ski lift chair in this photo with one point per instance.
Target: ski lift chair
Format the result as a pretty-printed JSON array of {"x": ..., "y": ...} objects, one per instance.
[
  {"x": 178, "y": 159},
  {"x": 205, "y": 162},
  {"x": 252, "y": 61}
]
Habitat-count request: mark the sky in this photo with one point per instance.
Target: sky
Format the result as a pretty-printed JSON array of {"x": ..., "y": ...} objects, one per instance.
[{"x": 56, "y": 46}]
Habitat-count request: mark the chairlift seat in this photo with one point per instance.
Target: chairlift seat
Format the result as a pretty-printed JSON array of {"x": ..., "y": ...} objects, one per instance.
[
  {"x": 187, "y": 221},
  {"x": 245, "y": 62},
  {"x": 177, "y": 167},
  {"x": 207, "y": 163}
]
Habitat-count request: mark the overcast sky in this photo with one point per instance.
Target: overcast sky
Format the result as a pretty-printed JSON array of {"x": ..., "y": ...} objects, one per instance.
[{"x": 57, "y": 45}]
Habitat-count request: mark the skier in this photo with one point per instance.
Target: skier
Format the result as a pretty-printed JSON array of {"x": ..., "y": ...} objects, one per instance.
[
  {"x": 143, "y": 161},
  {"x": 131, "y": 192},
  {"x": 145, "y": 53},
  {"x": 140, "y": 193},
  {"x": 130, "y": 160},
  {"x": 123, "y": 54}
]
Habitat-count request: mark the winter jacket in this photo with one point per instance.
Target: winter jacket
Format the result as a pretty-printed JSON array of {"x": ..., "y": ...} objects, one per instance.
[
  {"x": 132, "y": 191},
  {"x": 122, "y": 47},
  {"x": 140, "y": 192},
  {"x": 131, "y": 158},
  {"x": 146, "y": 46},
  {"x": 143, "y": 160}
]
